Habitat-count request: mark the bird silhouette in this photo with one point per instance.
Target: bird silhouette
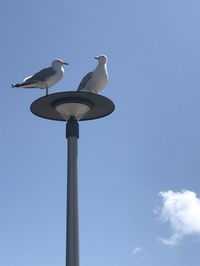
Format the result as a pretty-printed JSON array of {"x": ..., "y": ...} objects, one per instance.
[
  {"x": 96, "y": 80},
  {"x": 45, "y": 78}
]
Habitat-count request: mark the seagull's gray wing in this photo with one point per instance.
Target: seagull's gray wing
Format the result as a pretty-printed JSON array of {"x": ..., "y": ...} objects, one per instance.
[
  {"x": 85, "y": 80},
  {"x": 42, "y": 75}
]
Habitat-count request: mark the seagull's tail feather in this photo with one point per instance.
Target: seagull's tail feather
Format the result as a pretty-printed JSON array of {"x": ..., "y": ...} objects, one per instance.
[
  {"x": 26, "y": 84},
  {"x": 15, "y": 85}
]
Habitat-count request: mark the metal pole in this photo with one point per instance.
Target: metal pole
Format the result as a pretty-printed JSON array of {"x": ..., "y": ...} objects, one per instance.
[{"x": 72, "y": 229}]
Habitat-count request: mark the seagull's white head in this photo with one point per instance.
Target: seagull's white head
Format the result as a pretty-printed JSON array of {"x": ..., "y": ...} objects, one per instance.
[
  {"x": 102, "y": 59},
  {"x": 58, "y": 62}
]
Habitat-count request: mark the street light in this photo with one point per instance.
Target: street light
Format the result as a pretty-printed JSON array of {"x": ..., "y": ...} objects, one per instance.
[{"x": 72, "y": 107}]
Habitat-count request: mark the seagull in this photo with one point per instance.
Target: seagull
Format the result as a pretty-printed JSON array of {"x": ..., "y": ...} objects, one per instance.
[
  {"x": 45, "y": 78},
  {"x": 97, "y": 79}
]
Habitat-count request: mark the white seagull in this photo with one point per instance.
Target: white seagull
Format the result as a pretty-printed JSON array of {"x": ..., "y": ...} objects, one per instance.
[
  {"x": 45, "y": 78},
  {"x": 97, "y": 79}
]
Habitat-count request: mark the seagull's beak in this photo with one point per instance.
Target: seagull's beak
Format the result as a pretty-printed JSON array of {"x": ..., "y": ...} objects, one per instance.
[
  {"x": 65, "y": 63},
  {"x": 96, "y": 57}
]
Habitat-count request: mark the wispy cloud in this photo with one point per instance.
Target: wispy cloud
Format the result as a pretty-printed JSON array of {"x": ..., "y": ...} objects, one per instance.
[
  {"x": 137, "y": 250},
  {"x": 182, "y": 211}
]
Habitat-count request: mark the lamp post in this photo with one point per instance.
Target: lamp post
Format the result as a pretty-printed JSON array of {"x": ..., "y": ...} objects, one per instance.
[{"x": 72, "y": 107}]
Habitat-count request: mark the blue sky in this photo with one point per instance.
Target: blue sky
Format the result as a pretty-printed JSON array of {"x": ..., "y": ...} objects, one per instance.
[{"x": 139, "y": 195}]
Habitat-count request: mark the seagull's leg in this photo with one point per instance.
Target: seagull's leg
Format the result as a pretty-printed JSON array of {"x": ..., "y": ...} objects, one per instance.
[{"x": 47, "y": 90}]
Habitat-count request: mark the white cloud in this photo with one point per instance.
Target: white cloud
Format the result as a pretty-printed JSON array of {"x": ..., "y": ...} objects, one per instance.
[
  {"x": 182, "y": 211},
  {"x": 136, "y": 250}
]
